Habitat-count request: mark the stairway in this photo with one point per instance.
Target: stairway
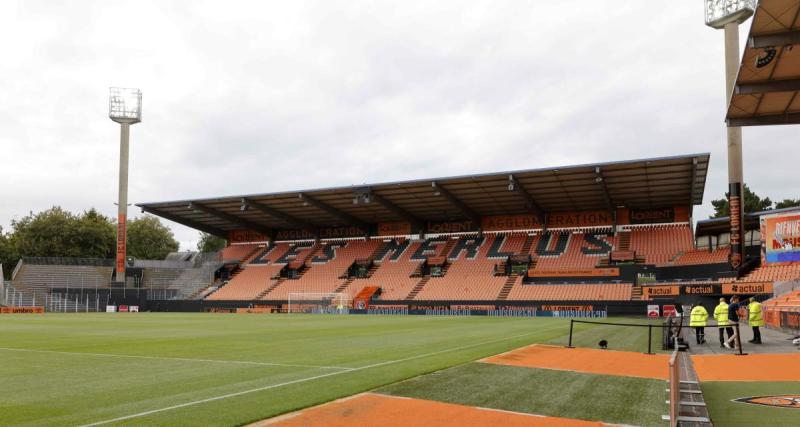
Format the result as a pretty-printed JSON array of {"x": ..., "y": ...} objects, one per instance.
[
  {"x": 372, "y": 269},
  {"x": 636, "y": 293},
  {"x": 445, "y": 252},
  {"x": 271, "y": 288},
  {"x": 417, "y": 271},
  {"x": 200, "y": 292},
  {"x": 345, "y": 285},
  {"x": 501, "y": 269},
  {"x": 374, "y": 255},
  {"x": 311, "y": 253},
  {"x": 526, "y": 246},
  {"x": 417, "y": 288},
  {"x": 624, "y": 240},
  {"x": 252, "y": 255},
  {"x": 510, "y": 281}
]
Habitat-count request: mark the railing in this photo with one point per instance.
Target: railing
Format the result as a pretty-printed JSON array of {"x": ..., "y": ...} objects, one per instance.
[
  {"x": 96, "y": 262},
  {"x": 16, "y": 269},
  {"x": 674, "y": 386},
  {"x": 151, "y": 263}
]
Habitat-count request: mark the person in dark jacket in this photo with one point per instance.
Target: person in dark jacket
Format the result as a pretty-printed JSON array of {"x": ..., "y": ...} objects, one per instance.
[{"x": 733, "y": 320}]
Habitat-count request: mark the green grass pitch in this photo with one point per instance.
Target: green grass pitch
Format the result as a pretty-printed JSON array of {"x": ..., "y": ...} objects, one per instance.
[
  {"x": 225, "y": 369},
  {"x": 221, "y": 369}
]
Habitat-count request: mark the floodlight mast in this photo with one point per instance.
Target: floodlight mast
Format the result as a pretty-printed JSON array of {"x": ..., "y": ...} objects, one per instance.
[
  {"x": 125, "y": 108},
  {"x": 727, "y": 15}
]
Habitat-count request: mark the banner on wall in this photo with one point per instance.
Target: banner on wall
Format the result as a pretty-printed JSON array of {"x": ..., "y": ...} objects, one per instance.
[
  {"x": 746, "y": 288},
  {"x": 781, "y": 237},
  {"x": 394, "y": 228},
  {"x": 591, "y": 272},
  {"x": 510, "y": 222},
  {"x": 121, "y": 244},
  {"x": 653, "y": 311},
  {"x": 579, "y": 219},
  {"x": 660, "y": 291},
  {"x": 451, "y": 227},
  {"x": 246, "y": 236},
  {"x": 652, "y": 216},
  {"x": 736, "y": 240}
]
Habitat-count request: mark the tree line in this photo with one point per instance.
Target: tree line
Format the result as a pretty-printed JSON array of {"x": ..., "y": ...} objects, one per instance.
[
  {"x": 59, "y": 233},
  {"x": 752, "y": 203}
]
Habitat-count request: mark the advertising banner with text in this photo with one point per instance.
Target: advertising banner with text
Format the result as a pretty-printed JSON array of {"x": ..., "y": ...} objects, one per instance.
[{"x": 781, "y": 237}]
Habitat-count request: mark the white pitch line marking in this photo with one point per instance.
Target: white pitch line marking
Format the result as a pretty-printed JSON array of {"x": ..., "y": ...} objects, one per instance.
[
  {"x": 181, "y": 359},
  {"x": 301, "y": 380}
]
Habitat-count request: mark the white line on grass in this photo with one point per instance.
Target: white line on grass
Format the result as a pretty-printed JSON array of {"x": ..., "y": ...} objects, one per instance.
[
  {"x": 301, "y": 380},
  {"x": 181, "y": 359}
]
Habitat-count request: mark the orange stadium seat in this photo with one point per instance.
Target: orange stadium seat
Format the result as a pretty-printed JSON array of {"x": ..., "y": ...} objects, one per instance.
[
  {"x": 393, "y": 276},
  {"x": 466, "y": 279},
  {"x": 703, "y": 256},
  {"x": 661, "y": 243},
  {"x": 326, "y": 267}
]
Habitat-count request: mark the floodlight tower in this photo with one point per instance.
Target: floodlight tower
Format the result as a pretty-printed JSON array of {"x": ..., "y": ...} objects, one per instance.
[
  {"x": 728, "y": 14},
  {"x": 125, "y": 108}
]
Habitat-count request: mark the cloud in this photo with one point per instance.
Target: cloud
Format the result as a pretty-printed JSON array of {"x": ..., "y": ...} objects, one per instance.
[{"x": 251, "y": 97}]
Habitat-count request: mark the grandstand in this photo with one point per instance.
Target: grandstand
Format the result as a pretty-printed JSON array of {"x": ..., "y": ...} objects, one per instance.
[{"x": 618, "y": 235}]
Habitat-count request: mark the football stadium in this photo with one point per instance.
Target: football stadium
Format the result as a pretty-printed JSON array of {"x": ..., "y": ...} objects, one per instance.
[{"x": 576, "y": 295}]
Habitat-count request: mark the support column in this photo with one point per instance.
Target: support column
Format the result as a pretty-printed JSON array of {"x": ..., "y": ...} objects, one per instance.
[
  {"x": 735, "y": 168},
  {"x": 122, "y": 211}
]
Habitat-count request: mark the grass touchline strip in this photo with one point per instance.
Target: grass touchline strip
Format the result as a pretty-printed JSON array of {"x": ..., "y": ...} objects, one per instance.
[
  {"x": 254, "y": 390},
  {"x": 182, "y": 359}
]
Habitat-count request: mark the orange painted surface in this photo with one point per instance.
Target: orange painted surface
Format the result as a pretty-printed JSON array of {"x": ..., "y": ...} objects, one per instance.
[
  {"x": 367, "y": 410},
  {"x": 753, "y": 367},
  {"x": 587, "y": 360}
]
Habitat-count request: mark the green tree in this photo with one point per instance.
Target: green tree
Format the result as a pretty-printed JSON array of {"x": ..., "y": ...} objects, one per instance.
[
  {"x": 210, "y": 243},
  {"x": 752, "y": 203},
  {"x": 148, "y": 238},
  {"x": 8, "y": 257},
  {"x": 787, "y": 203},
  {"x": 95, "y": 235},
  {"x": 59, "y": 233},
  {"x": 47, "y": 233}
]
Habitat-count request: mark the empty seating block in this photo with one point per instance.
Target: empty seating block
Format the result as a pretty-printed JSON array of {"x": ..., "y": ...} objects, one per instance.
[
  {"x": 329, "y": 262},
  {"x": 661, "y": 243},
  {"x": 570, "y": 251},
  {"x": 393, "y": 276},
  {"x": 251, "y": 281},
  {"x": 237, "y": 252},
  {"x": 702, "y": 256},
  {"x": 590, "y": 292},
  {"x": 773, "y": 273},
  {"x": 466, "y": 279}
]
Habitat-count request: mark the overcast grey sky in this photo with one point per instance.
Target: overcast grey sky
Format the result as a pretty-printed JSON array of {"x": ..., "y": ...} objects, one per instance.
[{"x": 249, "y": 97}]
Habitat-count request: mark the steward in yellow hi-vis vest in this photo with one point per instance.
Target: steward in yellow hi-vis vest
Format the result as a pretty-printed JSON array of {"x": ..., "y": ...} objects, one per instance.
[
  {"x": 721, "y": 316},
  {"x": 697, "y": 320},
  {"x": 756, "y": 319}
]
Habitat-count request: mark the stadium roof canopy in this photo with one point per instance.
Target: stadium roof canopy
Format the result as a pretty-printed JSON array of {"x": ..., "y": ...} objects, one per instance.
[
  {"x": 767, "y": 90},
  {"x": 645, "y": 183},
  {"x": 752, "y": 221}
]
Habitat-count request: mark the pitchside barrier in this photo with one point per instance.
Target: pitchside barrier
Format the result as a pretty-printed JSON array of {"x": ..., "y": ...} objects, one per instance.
[{"x": 649, "y": 327}]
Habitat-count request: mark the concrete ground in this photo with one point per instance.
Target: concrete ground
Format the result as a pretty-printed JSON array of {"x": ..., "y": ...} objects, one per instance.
[{"x": 773, "y": 342}]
